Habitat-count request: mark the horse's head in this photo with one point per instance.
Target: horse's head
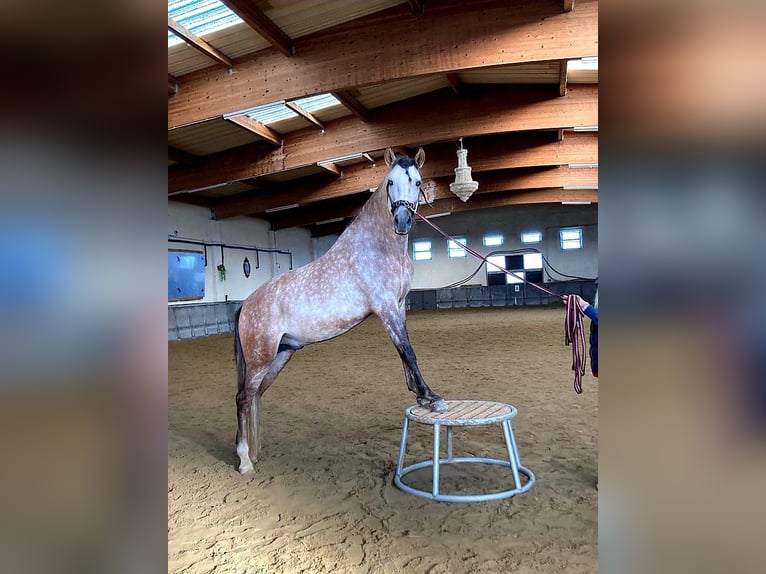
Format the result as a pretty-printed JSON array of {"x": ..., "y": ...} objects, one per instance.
[{"x": 403, "y": 187}]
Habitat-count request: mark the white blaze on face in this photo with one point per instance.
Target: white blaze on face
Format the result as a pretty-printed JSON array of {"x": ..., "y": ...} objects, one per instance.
[{"x": 404, "y": 184}]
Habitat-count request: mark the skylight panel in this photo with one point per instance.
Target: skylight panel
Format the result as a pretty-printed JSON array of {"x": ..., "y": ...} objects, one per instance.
[
  {"x": 318, "y": 102},
  {"x": 271, "y": 113},
  {"x": 200, "y": 17},
  {"x": 590, "y": 63}
]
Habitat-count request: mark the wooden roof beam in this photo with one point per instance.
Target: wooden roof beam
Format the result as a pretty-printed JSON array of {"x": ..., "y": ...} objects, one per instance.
[
  {"x": 257, "y": 128},
  {"x": 489, "y": 153},
  {"x": 331, "y": 167},
  {"x": 489, "y": 183},
  {"x": 491, "y": 200},
  {"x": 488, "y": 36},
  {"x": 407, "y": 123},
  {"x": 258, "y": 21},
  {"x": 418, "y": 7},
  {"x": 330, "y": 228},
  {"x": 183, "y": 157},
  {"x": 351, "y": 103},
  {"x": 294, "y": 106},
  {"x": 196, "y": 42},
  {"x": 502, "y": 199},
  {"x": 492, "y": 182},
  {"x": 454, "y": 81},
  {"x": 562, "y": 77},
  {"x": 310, "y": 216}
]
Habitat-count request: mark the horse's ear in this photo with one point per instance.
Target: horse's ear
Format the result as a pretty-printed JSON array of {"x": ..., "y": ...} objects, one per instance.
[
  {"x": 420, "y": 158},
  {"x": 390, "y": 157}
]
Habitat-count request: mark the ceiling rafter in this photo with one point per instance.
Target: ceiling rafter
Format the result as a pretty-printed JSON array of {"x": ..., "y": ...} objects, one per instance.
[
  {"x": 505, "y": 180},
  {"x": 308, "y": 116},
  {"x": 196, "y": 42},
  {"x": 352, "y": 104},
  {"x": 404, "y": 123},
  {"x": 418, "y": 7},
  {"x": 523, "y": 197},
  {"x": 331, "y": 167},
  {"x": 495, "y": 200},
  {"x": 425, "y": 46},
  {"x": 257, "y": 128},
  {"x": 489, "y": 153},
  {"x": 258, "y": 21},
  {"x": 563, "y": 77},
  {"x": 454, "y": 81},
  {"x": 489, "y": 183},
  {"x": 181, "y": 156},
  {"x": 329, "y": 229}
]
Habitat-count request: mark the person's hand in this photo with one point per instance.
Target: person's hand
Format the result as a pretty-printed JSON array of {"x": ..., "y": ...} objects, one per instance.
[{"x": 581, "y": 303}]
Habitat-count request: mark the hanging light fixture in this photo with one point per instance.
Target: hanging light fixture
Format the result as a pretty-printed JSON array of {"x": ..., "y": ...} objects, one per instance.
[{"x": 463, "y": 185}]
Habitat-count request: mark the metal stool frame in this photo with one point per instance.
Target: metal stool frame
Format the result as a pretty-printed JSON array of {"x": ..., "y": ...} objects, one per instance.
[{"x": 500, "y": 413}]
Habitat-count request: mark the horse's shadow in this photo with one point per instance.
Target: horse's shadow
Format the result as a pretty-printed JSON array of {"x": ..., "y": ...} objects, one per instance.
[
  {"x": 217, "y": 444},
  {"x": 302, "y": 446}
]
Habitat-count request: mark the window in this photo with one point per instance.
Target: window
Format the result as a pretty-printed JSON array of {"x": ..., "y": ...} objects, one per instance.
[
  {"x": 421, "y": 249},
  {"x": 571, "y": 238},
  {"x": 454, "y": 248},
  {"x": 517, "y": 277},
  {"x": 493, "y": 240},
  {"x": 533, "y": 261},
  {"x": 495, "y": 261},
  {"x": 186, "y": 275},
  {"x": 531, "y": 237},
  {"x": 527, "y": 266}
]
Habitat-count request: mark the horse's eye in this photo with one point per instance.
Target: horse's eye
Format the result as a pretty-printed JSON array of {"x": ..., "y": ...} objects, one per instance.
[
  {"x": 390, "y": 182},
  {"x": 417, "y": 183}
]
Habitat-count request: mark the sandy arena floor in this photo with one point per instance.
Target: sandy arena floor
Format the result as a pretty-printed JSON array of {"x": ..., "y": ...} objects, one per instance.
[{"x": 322, "y": 499}]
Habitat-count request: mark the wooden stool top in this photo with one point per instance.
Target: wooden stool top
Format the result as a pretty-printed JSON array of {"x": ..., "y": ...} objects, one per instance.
[{"x": 463, "y": 413}]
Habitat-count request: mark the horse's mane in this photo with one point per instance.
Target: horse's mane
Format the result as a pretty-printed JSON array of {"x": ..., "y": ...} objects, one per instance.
[{"x": 404, "y": 162}]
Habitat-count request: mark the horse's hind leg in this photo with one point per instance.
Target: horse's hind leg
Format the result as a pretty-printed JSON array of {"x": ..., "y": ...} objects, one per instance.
[
  {"x": 396, "y": 328},
  {"x": 248, "y": 422},
  {"x": 249, "y": 411},
  {"x": 276, "y": 366}
]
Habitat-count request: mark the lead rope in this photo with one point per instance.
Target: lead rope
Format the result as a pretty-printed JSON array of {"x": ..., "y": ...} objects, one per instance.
[
  {"x": 573, "y": 327},
  {"x": 574, "y": 335}
]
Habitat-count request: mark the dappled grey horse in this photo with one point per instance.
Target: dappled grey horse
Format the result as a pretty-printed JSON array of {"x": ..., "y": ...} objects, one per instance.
[{"x": 367, "y": 271}]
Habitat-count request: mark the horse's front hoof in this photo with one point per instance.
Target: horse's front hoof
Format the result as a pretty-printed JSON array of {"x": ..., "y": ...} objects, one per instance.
[
  {"x": 438, "y": 405},
  {"x": 246, "y": 468}
]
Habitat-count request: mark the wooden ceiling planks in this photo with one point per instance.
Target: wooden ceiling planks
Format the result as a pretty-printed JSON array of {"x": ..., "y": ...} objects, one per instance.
[
  {"x": 426, "y": 119},
  {"x": 494, "y": 153},
  {"x": 453, "y": 36}
]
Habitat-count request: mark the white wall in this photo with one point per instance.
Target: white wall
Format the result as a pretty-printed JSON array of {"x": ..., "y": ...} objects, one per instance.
[
  {"x": 510, "y": 222},
  {"x": 322, "y": 244},
  {"x": 193, "y": 222},
  {"x": 297, "y": 240}
]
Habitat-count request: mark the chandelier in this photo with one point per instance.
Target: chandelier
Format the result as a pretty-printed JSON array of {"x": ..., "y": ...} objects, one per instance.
[{"x": 463, "y": 185}]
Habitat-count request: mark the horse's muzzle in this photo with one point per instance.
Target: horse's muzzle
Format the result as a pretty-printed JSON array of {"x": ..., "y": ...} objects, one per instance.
[{"x": 402, "y": 220}]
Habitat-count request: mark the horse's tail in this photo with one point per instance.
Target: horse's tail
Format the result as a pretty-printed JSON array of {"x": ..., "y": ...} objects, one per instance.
[
  {"x": 251, "y": 411},
  {"x": 239, "y": 356}
]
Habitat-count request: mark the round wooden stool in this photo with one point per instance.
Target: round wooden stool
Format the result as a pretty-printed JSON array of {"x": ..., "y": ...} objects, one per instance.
[{"x": 463, "y": 414}]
